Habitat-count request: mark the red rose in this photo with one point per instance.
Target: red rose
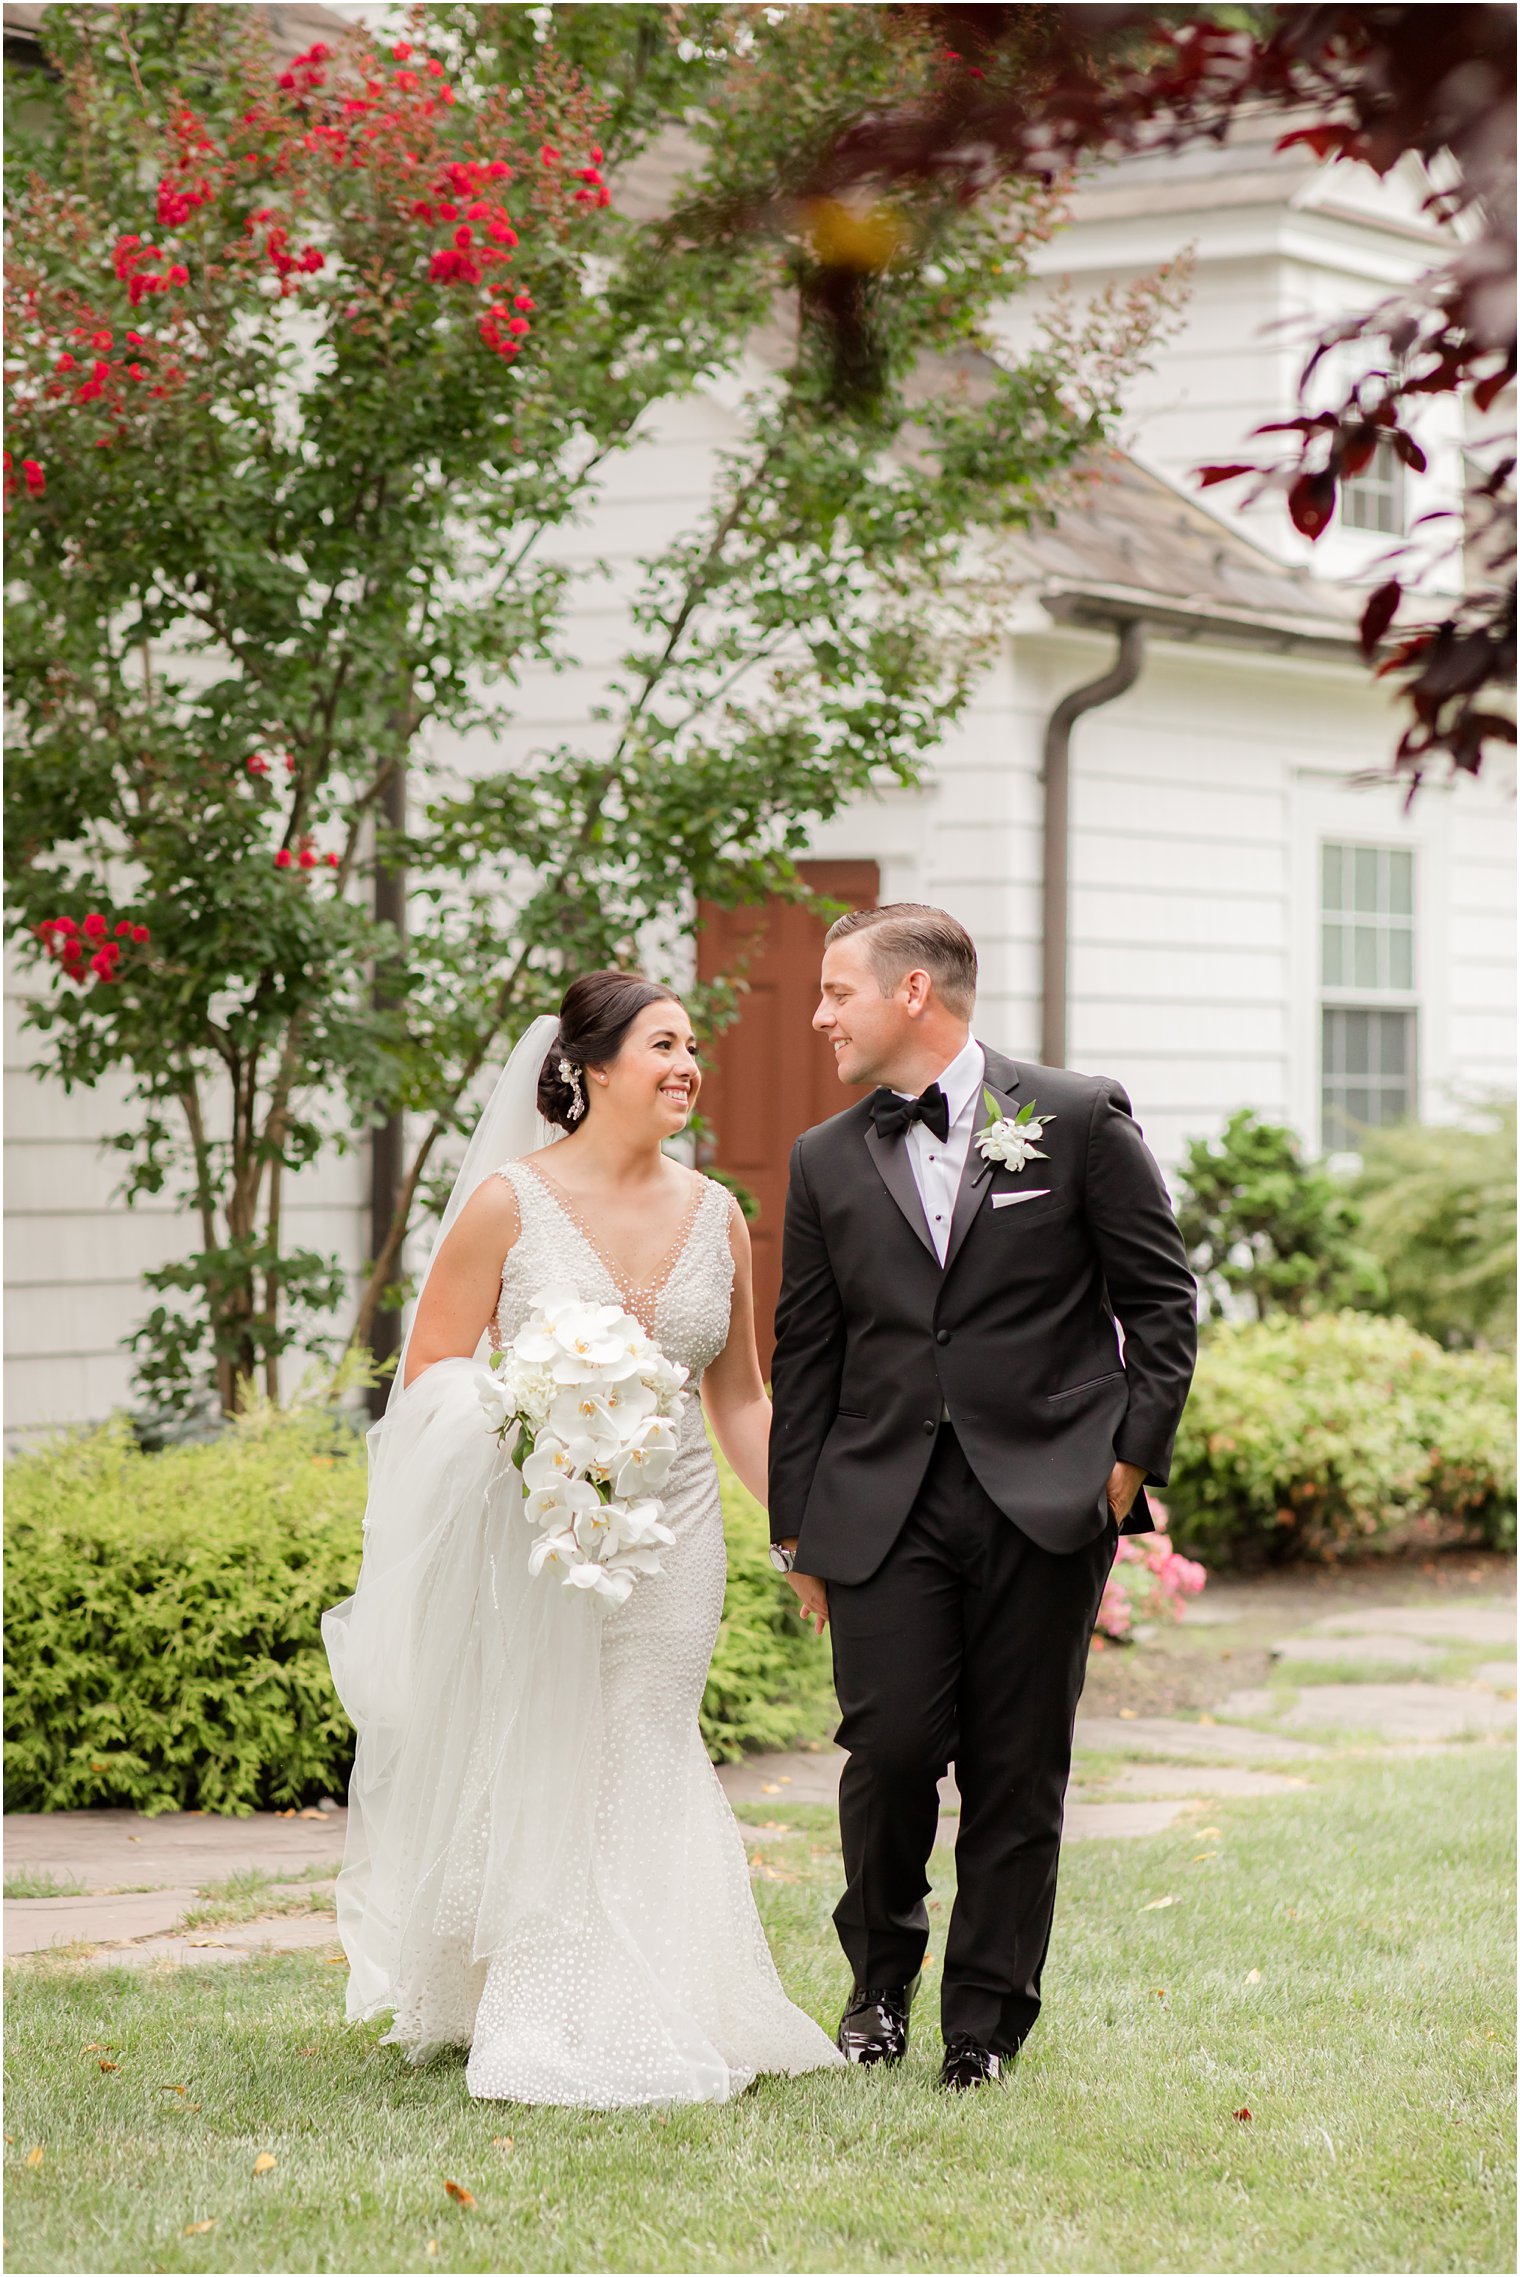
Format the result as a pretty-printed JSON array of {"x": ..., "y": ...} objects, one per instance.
[
  {"x": 435, "y": 67},
  {"x": 140, "y": 933},
  {"x": 101, "y": 964},
  {"x": 65, "y": 363},
  {"x": 307, "y": 858},
  {"x": 287, "y": 80},
  {"x": 548, "y": 155},
  {"x": 525, "y": 301},
  {"x": 95, "y": 926},
  {"x": 66, "y": 925},
  {"x": 518, "y": 326},
  {"x": 124, "y": 929},
  {"x": 282, "y": 859},
  {"x": 499, "y": 170},
  {"x": 179, "y": 274},
  {"x": 135, "y": 340},
  {"x": 402, "y": 50},
  {"x": 36, "y": 480},
  {"x": 332, "y": 861}
]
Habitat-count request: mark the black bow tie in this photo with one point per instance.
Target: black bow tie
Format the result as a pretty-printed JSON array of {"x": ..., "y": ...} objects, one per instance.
[{"x": 893, "y": 1114}]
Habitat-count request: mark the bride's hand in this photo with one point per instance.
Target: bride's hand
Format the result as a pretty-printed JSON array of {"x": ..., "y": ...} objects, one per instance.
[{"x": 813, "y": 1598}]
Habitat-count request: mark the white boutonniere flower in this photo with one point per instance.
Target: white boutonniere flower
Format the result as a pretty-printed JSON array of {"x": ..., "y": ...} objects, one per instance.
[{"x": 1013, "y": 1139}]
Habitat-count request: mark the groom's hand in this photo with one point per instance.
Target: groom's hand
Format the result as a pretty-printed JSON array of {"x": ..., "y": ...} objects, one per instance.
[
  {"x": 1124, "y": 1483},
  {"x": 812, "y": 1597}
]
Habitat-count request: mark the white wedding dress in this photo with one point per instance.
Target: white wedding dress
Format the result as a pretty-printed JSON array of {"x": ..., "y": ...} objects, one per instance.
[{"x": 541, "y": 1863}]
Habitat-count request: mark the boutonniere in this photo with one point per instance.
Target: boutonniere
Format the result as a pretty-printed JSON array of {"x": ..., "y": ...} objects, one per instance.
[{"x": 1013, "y": 1139}]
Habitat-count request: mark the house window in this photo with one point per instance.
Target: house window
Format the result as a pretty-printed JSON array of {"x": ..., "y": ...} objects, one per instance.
[
  {"x": 1368, "y": 1017},
  {"x": 1374, "y": 499}
]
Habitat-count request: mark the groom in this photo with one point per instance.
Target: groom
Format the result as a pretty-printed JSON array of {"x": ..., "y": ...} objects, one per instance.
[{"x": 958, "y": 1440}]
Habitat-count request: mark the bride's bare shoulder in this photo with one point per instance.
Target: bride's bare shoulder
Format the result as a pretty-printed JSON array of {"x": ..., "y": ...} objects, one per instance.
[{"x": 491, "y": 1214}]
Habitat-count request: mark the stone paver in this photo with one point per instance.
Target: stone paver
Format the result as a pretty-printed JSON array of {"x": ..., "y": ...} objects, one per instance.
[
  {"x": 1388, "y": 1711},
  {"x": 1484, "y": 1620},
  {"x": 1368, "y": 1648},
  {"x": 33, "y": 1925},
  {"x": 113, "y": 1849},
  {"x": 782, "y": 1779},
  {"x": 304, "y": 1933},
  {"x": 1499, "y": 1675},
  {"x": 1166, "y": 1735},
  {"x": 1119, "y": 1821},
  {"x": 1204, "y": 1782}
]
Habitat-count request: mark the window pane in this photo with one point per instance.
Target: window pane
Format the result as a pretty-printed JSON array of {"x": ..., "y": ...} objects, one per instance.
[
  {"x": 1393, "y": 1042},
  {"x": 1330, "y": 879},
  {"x": 1333, "y": 961},
  {"x": 1364, "y": 962},
  {"x": 1358, "y": 1106},
  {"x": 1365, "y": 878},
  {"x": 1356, "y": 1042},
  {"x": 1401, "y": 884},
  {"x": 1400, "y": 958}
]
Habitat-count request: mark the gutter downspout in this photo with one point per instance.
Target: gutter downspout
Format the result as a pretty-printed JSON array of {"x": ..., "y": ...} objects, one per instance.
[{"x": 1056, "y": 831}]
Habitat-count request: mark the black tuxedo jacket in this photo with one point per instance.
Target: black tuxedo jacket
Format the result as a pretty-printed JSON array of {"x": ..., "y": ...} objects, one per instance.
[{"x": 1014, "y": 1336}]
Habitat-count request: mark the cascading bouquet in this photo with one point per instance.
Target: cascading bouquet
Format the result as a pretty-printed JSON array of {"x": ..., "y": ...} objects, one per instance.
[{"x": 589, "y": 1408}]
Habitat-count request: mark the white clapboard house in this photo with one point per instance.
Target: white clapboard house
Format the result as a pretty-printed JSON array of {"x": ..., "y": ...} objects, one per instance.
[{"x": 1153, "y": 817}]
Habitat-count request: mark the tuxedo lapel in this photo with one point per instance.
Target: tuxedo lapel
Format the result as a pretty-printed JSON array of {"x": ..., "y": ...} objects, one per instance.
[
  {"x": 891, "y": 1159},
  {"x": 1002, "y": 1081}
]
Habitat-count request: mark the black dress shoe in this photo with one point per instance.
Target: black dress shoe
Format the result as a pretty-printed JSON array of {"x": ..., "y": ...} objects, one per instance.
[
  {"x": 874, "y": 2028},
  {"x": 968, "y": 2064}
]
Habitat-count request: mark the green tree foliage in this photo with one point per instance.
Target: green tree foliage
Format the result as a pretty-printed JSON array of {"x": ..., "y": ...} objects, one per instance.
[
  {"x": 313, "y": 370},
  {"x": 162, "y": 1621},
  {"x": 1311, "y": 1438},
  {"x": 1437, "y": 1203},
  {"x": 1266, "y": 1229}
]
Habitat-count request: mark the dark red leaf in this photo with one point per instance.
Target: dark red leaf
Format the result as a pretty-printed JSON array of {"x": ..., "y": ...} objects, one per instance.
[
  {"x": 1379, "y": 614},
  {"x": 1209, "y": 475},
  {"x": 1408, "y": 449},
  {"x": 1311, "y": 503},
  {"x": 1243, "y": 2113}
]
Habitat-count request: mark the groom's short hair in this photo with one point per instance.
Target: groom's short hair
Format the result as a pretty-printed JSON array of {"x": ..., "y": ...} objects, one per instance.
[{"x": 910, "y": 936}]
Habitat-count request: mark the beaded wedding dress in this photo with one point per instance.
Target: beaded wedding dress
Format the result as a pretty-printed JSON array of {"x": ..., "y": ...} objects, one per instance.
[{"x": 541, "y": 1863}]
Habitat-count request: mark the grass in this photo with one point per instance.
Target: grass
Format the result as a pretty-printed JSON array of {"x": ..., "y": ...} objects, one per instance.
[
  {"x": 254, "y": 1895},
  {"x": 28, "y": 1883},
  {"x": 1337, "y": 1962}
]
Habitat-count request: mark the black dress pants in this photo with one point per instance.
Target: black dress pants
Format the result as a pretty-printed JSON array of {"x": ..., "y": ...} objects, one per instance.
[{"x": 969, "y": 1643}]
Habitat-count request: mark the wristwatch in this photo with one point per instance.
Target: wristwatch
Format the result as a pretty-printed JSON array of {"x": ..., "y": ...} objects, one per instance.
[{"x": 782, "y": 1558}]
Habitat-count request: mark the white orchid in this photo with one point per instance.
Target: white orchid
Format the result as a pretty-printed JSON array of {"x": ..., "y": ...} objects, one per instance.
[
  {"x": 643, "y": 1467},
  {"x": 1012, "y": 1139},
  {"x": 596, "y": 1405}
]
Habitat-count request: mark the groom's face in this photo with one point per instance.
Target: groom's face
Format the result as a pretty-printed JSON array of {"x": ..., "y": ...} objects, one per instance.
[{"x": 865, "y": 1029}]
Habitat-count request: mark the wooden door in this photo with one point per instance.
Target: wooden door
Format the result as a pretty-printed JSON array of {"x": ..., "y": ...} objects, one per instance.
[{"x": 768, "y": 1076}]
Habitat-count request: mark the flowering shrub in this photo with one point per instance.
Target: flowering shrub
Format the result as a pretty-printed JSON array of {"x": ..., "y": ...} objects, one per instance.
[
  {"x": 1149, "y": 1580},
  {"x": 308, "y": 363}
]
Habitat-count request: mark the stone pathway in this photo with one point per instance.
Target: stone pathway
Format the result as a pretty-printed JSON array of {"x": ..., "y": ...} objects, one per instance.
[{"x": 133, "y": 1880}]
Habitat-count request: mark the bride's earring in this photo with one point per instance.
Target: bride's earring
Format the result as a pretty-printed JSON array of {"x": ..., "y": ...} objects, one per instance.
[{"x": 571, "y": 1075}]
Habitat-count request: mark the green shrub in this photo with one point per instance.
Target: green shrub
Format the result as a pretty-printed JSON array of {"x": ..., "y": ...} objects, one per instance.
[
  {"x": 162, "y": 1612},
  {"x": 1438, "y": 1213},
  {"x": 1266, "y": 1229},
  {"x": 770, "y": 1683},
  {"x": 1303, "y": 1438}
]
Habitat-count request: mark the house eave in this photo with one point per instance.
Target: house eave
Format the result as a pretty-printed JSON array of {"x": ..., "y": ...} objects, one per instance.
[{"x": 1106, "y": 607}]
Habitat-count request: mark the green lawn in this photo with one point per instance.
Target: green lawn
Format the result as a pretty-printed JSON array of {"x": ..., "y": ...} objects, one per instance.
[{"x": 1374, "y": 2052}]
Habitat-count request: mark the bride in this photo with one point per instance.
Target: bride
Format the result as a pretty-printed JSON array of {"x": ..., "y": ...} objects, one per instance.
[{"x": 540, "y": 1863}]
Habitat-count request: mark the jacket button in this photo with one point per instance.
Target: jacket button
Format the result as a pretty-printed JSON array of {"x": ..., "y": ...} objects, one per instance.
[
  {"x": 942, "y": 1336},
  {"x": 929, "y": 1427}
]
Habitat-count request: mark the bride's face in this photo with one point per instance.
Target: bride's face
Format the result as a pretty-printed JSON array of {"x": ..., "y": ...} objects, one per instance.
[{"x": 654, "y": 1081}]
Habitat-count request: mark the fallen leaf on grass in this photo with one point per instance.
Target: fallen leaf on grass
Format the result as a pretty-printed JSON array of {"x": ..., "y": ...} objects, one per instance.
[
  {"x": 176, "y": 2089},
  {"x": 1200, "y": 1855},
  {"x": 772, "y": 1789},
  {"x": 308, "y": 2051},
  {"x": 34, "y": 2155},
  {"x": 1157, "y": 1903},
  {"x": 502, "y": 2142},
  {"x": 1129, "y": 1714},
  {"x": 319, "y": 1816},
  {"x": 1208, "y": 1834},
  {"x": 1253, "y": 1976},
  {"x": 107, "y": 2065},
  {"x": 432, "y": 2249},
  {"x": 1209, "y": 1720},
  {"x": 98, "y": 2048},
  {"x": 336, "y": 1960},
  {"x": 1160, "y": 1991},
  {"x": 199, "y": 2229},
  {"x": 458, "y": 2193},
  {"x": 265, "y": 2162},
  {"x": 1242, "y": 2114}
]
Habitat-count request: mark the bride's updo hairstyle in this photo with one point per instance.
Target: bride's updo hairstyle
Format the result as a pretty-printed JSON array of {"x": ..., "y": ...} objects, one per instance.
[{"x": 598, "y": 1011}]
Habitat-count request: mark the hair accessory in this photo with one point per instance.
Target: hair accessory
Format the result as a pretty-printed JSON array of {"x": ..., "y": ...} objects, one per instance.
[{"x": 568, "y": 1073}]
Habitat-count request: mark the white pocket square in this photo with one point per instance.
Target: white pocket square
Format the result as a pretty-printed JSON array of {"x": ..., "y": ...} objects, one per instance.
[{"x": 1035, "y": 1194}]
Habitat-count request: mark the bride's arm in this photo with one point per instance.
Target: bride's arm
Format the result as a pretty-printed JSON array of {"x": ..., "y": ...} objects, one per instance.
[
  {"x": 733, "y": 1390},
  {"x": 464, "y": 1287}
]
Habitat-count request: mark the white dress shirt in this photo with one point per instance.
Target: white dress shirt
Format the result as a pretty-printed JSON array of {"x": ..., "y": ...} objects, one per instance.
[{"x": 937, "y": 1164}]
